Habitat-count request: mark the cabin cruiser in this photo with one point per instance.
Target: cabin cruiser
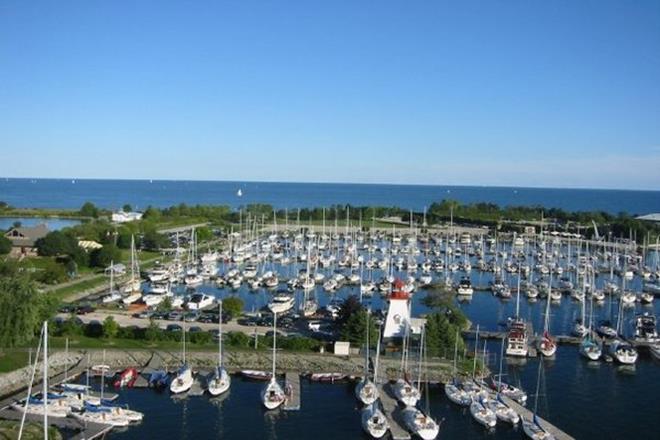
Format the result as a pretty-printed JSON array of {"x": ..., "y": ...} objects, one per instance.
[
  {"x": 281, "y": 303},
  {"x": 645, "y": 328},
  {"x": 199, "y": 301},
  {"x": 516, "y": 341},
  {"x": 465, "y": 287}
]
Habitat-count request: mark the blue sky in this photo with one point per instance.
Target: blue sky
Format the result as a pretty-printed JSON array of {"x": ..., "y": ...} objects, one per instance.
[{"x": 524, "y": 93}]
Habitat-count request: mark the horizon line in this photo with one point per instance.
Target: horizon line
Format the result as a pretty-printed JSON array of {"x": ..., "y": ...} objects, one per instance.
[{"x": 143, "y": 179}]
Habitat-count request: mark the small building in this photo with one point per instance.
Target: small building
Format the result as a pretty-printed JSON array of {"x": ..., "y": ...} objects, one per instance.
[
  {"x": 89, "y": 245},
  {"x": 342, "y": 348},
  {"x": 124, "y": 217},
  {"x": 23, "y": 238}
]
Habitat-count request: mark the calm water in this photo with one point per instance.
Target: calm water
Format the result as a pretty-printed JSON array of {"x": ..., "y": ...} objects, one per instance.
[
  {"x": 113, "y": 194},
  {"x": 589, "y": 401},
  {"x": 53, "y": 224}
]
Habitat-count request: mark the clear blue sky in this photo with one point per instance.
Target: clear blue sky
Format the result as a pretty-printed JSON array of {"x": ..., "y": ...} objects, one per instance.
[{"x": 527, "y": 93}]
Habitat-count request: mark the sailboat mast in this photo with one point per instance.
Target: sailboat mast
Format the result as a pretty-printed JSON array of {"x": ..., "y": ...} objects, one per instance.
[
  {"x": 45, "y": 384},
  {"x": 220, "y": 333},
  {"x": 274, "y": 342},
  {"x": 518, "y": 295}
]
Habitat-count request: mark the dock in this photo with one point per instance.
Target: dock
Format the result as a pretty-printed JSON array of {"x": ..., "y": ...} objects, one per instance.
[
  {"x": 84, "y": 431},
  {"x": 528, "y": 415},
  {"x": 292, "y": 389},
  {"x": 393, "y": 413}
]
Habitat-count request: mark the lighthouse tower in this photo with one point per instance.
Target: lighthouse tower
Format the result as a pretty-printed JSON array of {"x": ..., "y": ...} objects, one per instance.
[{"x": 398, "y": 313}]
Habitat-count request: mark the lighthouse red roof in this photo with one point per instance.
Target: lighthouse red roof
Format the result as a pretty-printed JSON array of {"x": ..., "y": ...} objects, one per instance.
[{"x": 398, "y": 291}]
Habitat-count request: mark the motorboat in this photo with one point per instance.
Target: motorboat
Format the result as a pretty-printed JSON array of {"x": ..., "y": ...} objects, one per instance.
[
  {"x": 281, "y": 303},
  {"x": 199, "y": 301},
  {"x": 645, "y": 328},
  {"x": 516, "y": 340},
  {"x": 465, "y": 287}
]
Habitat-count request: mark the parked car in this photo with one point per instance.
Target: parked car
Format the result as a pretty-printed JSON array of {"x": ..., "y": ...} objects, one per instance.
[{"x": 173, "y": 328}]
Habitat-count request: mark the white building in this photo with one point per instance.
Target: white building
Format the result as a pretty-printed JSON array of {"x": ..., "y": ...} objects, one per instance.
[{"x": 123, "y": 217}]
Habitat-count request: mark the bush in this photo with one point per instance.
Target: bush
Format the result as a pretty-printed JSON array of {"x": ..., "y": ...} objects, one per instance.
[
  {"x": 152, "y": 240},
  {"x": 104, "y": 256},
  {"x": 236, "y": 339},
  {"x": 232, "y": 306},
  {"x": 201, "y": 338},
  {"x": 153, "y": 332},
  {"x": 110, "y": 327},
  {"x": 53, "y": 273},
  {"x": 5, "y": 245}
]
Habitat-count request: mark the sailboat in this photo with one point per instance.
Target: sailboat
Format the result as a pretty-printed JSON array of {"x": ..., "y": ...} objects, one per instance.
[
  {"x": 516, "y": 340},
  {"x": 220, "y": 380},
  {"x": 44, "y": 406},
  {"x": 366, "y": 390},
  {"x": 533, "y": 428},
  {"x": 453, "y": 389},
  {"x": 404, "y": 391},
  {"x": 113, "y": 295},
  {"x": 502, "y": 411},
  {"x": 580, "y": 329},
  {"x": 183, "y": 380},
  {"x": 479, "y": 408},
  {"x": 547, "y": 345},
  {"x": 417, "y": 421},
  {"x": 131, "y": 289},
  {"x": 273, "y": 395},
  {"x": 588, "y": 347},
  {"x": 374, "y": 422}
]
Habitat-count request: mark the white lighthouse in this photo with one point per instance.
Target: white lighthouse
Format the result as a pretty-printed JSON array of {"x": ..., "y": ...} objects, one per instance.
[{"x": 398, "y": 313}]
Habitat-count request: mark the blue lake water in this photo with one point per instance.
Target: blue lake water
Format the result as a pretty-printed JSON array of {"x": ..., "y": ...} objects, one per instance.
[
  {"x": 113, "y": 194},
  {"x": 53, "y": 224}
]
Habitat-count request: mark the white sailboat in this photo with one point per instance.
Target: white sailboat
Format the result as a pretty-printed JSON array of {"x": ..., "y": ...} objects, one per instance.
[
  {"x": 366, "y": 390},
  {"x": 183, "y": 380},
  {"x": 546, "y": 344},
  {"x": 532, "y": 428},
  {"x": 516, "y": 340},
  {"x": 374, "y": 421},
  {"x": 273, "y": 395},
  {"x": 417, "y": 421},
  {"x": 220, "y": 380}
]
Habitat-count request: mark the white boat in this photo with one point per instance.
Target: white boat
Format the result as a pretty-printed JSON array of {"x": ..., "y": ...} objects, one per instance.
[
  {"x": 366, "y": 390},
  {"x": 655, "y": 351},
  {"x": 101, "y": 417},
  {"x": 420, "y": 424},
  {"x": 623, "y": 352},
  {"x": 183, "y": 380},
  {"x": 534, "y": 430},
  {"x": 503, "y": 411},
  {"x": 131, "y": 298},
  {"x": 199, "y": 301},
  {"x": 153, "y": 299},
  {"x": 374, "y": 421},
  {"x": 220, "y": 381},
  {"x": 482, "y": 414},
  {"x": 281, "y": 303},
  {"x": 272, "y": 396},
  {"x": 590, "y": 349},
  {"x": 405, "y": 392},
  {"x": 457, "y": 394}
]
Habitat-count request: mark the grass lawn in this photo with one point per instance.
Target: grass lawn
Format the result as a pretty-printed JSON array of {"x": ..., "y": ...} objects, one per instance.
[
  {"x": 31, "y": 431},
  {"x": 63, "y": 292},
  {"x": 11, "y": 359},
  {"x": 84, "y": 342}
]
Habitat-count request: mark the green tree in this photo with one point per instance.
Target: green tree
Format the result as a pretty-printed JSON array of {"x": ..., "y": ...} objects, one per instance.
[
  {"x": 441, "y": 336},
  {"x": 153, "y": 332},
  {"x": 5, "y": 245},
  {"x": 232, "y": 306},
  {"x": 127, "y": 208},
  {"x": 24, "y": 309},
  {"x": 152, "y": 240},
  {"x": 104, "y": 256},
  {"x": 56, "y": 243},
  {"x": 350, "y": 306},
  {"x": 165, "y": 305},
  {"x": 204, "y": 234},
  {"x": 89, "y": 210},
  {"x": 355, "y": 328},
  {"x": 110, "y": 327}
]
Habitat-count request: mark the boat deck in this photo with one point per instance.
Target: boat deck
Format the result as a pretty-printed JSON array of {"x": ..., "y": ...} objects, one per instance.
[{"x": 292, "y": 388}]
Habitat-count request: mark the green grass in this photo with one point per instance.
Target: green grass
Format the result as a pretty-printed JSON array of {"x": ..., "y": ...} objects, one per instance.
[
  {"x": 85, "y": 342},
  {"x": 64, "y": 292},
  {"x": 31, "y": 431},
  {"x": 12, "y": 359}
]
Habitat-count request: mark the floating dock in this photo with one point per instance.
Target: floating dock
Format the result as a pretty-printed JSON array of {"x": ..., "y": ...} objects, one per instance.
[
  {"x": 528, "y": 415},
  {"x": 393, "y": 413},
  {"x": 292, "y": 389}
]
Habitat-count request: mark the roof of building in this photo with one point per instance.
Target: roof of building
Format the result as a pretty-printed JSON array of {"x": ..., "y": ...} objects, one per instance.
[
  {"x": 655, "y": 217},
  {"x": 26, "y": 236}
]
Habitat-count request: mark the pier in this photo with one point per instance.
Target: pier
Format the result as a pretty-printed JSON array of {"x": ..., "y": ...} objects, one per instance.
[
  {"x": 292, "y": 389},
  {"x": 528, "y": 415},
  {"x": 393, "y": 413}
]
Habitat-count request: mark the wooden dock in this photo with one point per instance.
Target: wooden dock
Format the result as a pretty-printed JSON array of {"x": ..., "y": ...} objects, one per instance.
[
  {"x": 528, "y": 415},
  {"x": 393, "y": 413},
  {"x": 292, "y": 389}
]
